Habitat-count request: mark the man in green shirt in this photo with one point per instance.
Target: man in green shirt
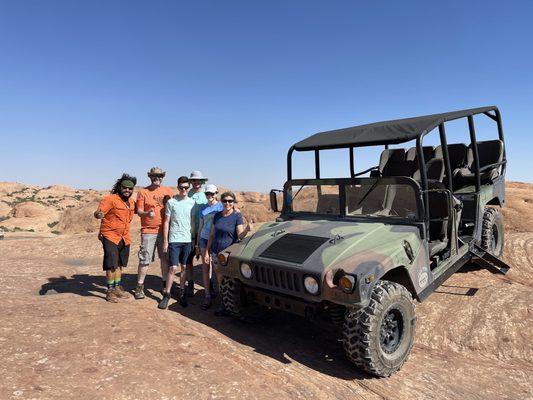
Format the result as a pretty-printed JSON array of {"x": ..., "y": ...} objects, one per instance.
[{"x": 196, "y": 179}]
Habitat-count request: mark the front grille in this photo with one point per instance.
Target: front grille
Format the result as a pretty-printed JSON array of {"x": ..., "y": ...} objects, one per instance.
[{"x": 273, "y": 277}]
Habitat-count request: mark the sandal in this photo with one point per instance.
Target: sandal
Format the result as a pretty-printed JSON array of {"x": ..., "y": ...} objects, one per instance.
[{"x": 206, "y": 304}]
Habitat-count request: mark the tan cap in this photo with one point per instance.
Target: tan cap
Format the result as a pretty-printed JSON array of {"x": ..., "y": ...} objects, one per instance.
[{"x": 156, "y": 171}]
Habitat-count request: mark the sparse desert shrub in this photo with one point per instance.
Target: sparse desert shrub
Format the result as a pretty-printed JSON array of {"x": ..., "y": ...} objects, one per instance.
[
  {"x": 56, "y": 232},
  {"x": 4, "y": 218},
  {"x": 52, "y": 224}
]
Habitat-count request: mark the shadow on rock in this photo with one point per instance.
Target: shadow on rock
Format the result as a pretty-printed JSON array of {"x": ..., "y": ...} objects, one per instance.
[
  {"x": 283, "y": 337},
  {"x": 91, "y": 285}
]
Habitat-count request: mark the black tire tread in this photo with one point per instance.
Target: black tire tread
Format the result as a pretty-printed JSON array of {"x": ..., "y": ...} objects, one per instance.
[
  {"x": 490, "y": 217},
  {"x": 360, "y": 326},
  {"x": 231, "y": 296}
]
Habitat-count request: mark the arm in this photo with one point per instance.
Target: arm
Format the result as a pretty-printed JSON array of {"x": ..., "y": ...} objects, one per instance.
[
  {"x": 166, "y": 227},
  {"x": 241, "y": 230},
  {"x": 209, "y": 243},
  {"x": 103, "y": 208},
  {"x": 141, "y": 209},
  {"x": 200, "y": 227}
]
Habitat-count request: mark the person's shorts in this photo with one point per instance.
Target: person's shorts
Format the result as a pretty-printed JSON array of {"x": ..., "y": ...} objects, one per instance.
[
  {"x": 115, "y": 255},
  {"x": 203, "y": 243},
  {"x": 149, "y": 243},
  {"x": 178, "y": 253}
]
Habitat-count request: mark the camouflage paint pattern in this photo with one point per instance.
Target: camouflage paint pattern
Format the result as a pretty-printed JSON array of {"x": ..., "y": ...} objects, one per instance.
[{"x": 367, "y": 250}]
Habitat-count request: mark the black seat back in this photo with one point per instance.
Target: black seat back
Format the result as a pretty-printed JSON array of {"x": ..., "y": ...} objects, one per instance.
[
  {"x": 489, "y": 152},
  {"x": 439, "y": 214},
  {"x": 392, "y": 163},
  {"x": 427, "y": 150}
]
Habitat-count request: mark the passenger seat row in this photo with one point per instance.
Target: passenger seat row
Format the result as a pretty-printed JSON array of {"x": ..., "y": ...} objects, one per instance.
[{"x": 398, "y": 162}]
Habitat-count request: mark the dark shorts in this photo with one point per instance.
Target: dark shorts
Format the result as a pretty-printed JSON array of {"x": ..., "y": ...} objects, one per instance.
[
  {"x": 115, "y": 255},
  {"x": 178, "y": 253}
]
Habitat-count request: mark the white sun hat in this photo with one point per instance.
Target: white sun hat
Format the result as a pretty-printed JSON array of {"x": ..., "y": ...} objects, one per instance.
[
  {"x": 211, "y": 188},
  {"x": 197, "y": 175}
]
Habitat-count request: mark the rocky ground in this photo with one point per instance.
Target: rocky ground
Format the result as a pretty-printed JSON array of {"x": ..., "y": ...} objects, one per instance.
[{"x": 60, "y": 339}]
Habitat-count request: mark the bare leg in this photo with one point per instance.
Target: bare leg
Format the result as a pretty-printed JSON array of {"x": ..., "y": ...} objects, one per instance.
[
  {"x": 170, "y": 277},
  {"x": 164, "y": 268},
  {"x": 118, "y": 274},
  {"x": 141, "y": 273},
  {"x": 183, "y": 277}
]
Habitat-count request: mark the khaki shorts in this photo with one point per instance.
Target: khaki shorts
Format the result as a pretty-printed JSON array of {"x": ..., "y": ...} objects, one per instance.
[{"x": 149, "y": 242}]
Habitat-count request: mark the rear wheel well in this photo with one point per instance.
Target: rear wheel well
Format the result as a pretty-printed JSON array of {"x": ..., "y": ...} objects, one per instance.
[
  {"x": 401, "y": 276},
  {"x": 495, "y": 202}
]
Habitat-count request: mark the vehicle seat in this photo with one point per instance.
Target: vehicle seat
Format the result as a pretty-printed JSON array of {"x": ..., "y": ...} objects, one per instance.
[
  {"x": 412, "y": 156},
  {"x": 457, "y": 153},
  {"x": 489, "y": 152},
  {"x": 392, "y": 163},
  {"x": 434, "y": 171}
]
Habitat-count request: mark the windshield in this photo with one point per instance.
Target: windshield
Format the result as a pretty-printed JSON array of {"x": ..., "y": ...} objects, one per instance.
[{"x": 367, "y": 197}]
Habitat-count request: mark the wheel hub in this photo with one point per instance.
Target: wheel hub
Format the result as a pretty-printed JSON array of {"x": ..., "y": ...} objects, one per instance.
[{"x": 391, "y": 331}]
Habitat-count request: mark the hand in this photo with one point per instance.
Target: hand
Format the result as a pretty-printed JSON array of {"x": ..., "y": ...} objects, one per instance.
[
  {"x": 165, "y": 246},
  {"x": 207, "y": 258},
  {"x": 151, "y": 214},
  {"x": 250, "y": 226}
]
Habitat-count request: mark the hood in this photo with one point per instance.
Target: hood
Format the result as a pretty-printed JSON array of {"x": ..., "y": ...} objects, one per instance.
[{"x": 320, "y": 244}]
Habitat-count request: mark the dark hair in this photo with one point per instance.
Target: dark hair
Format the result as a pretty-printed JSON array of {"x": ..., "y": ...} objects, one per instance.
[
  {"x": 183, "y": 179},
  {"x": 228, "y": 194},
  {"x": 118, "y": 183}
]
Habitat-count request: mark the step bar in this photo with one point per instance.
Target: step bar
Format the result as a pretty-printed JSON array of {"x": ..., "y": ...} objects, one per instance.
[{"x": 484, "y": 259}]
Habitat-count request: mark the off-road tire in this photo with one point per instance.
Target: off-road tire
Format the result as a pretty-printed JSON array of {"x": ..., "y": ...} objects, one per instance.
[
  {"x": 491, "y": 231},
  {"x": 231, "y": 292},
  {"x": 362, "y": 331}
]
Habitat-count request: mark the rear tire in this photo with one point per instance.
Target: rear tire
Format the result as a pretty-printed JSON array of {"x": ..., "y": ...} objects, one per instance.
[
  {"x": 378, "y": 338},
  {"x": 492, "y": 233}
]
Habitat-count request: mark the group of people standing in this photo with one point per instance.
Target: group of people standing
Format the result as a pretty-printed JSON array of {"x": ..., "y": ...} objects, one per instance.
[{"x": 192, "y": 223}]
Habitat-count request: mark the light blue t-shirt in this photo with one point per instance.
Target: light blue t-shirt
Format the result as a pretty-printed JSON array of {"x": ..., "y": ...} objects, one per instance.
[
  {"x": 179, "y": 212},
  {"x": 207, "y": 215},
  {"x": 200, "y": 203}
]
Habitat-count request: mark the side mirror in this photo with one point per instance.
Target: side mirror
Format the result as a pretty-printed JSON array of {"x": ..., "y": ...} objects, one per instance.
[{"x": 274, "y": 200}]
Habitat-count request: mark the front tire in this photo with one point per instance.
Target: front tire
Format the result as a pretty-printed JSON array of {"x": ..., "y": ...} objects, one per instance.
[
  {"x": 232, "y": 297},
  {"x": 378, "y": 338},
  {"x": 492, "y": 233}
]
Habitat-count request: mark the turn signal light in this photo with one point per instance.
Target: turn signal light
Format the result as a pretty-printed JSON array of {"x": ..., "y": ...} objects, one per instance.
[{"x": 347, "y": 283}]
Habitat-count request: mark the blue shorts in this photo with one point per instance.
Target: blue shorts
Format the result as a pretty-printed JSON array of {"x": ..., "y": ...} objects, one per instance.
[{"x": 178, "y": 253}]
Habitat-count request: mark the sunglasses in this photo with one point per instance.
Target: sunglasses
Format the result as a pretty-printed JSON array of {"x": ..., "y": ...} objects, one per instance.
[
  {"x": 161, "y": 176},
  {"x": 183, "y": 187},
  {"x": 209, "y": 194},
  {"x": 126, "y": 188},
  {"x": 228, "y": 201}
]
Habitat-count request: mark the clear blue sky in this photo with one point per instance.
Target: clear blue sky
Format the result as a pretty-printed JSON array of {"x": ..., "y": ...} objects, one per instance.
[{"x": 91, "y": 89}]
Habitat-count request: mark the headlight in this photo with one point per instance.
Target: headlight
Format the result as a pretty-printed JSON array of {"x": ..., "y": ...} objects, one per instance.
[
  {"x": 246, "y": 271},
  {"x": 347, "y": 283},
  {"x": 311, "y": 284},
  {"x": 222, "y": 259}
]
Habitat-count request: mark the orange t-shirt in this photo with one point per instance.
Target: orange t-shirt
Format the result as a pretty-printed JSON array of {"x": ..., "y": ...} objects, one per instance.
[
  {"x": 153, "y": 199},
  {"x": 115, "y": 225}
]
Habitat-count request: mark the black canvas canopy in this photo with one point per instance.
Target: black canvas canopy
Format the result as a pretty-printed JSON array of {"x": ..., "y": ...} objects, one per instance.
[{"x": 387, "y": 132}]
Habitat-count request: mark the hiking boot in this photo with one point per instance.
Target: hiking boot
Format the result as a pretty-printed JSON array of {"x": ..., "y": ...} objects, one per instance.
[
  {"x": 120, "y": 292},
  {"x": 183, "y": 301},
  {"x": 189, "y": 290},
  {"x": 163, "y": 304},
  {"x": 111, "y": 296},
  {"x": 139, "y": 292}
]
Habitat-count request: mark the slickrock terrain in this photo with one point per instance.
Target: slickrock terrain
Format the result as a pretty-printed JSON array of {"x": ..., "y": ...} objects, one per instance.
[{"x": 60, "y": 339}]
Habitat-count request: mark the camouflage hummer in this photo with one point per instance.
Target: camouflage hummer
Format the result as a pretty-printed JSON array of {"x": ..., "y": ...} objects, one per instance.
[{"x": 358, "y": 251}]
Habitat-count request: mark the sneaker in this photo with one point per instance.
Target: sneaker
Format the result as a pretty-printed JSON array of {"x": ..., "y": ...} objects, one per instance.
[
  {"x": 163, "y": 304},
  {"x": 139, "y": 292},
  {"x": 111, "y": 296},
  {"x": 120, "y": 292},
  {"x": 189, "y": 290},
  {"x": 183, "y": 301}
]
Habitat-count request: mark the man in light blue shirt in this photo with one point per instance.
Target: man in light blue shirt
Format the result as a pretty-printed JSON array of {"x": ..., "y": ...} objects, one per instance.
[{"x": 177, "y": 237}]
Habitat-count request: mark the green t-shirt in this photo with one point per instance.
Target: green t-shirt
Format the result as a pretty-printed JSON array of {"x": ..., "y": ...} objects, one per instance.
[
  {"x": 200, "y": 203},
  {"x": 179, "y": 212}
]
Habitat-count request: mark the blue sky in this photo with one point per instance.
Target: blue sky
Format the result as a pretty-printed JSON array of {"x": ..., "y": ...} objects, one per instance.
[{"x": 91, "y": 89}]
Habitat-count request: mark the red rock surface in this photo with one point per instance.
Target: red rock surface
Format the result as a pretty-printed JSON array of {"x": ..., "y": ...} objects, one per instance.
[{"x": 69, "y": 343}]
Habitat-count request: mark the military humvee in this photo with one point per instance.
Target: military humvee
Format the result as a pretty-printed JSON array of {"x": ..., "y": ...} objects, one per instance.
[{"x": 358, "y": 250}]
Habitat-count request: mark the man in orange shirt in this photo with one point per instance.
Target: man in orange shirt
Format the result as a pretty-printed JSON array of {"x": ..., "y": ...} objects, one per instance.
[
  {"x": 116, "y": 212},
  {"x": 150, "y": 207}
]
